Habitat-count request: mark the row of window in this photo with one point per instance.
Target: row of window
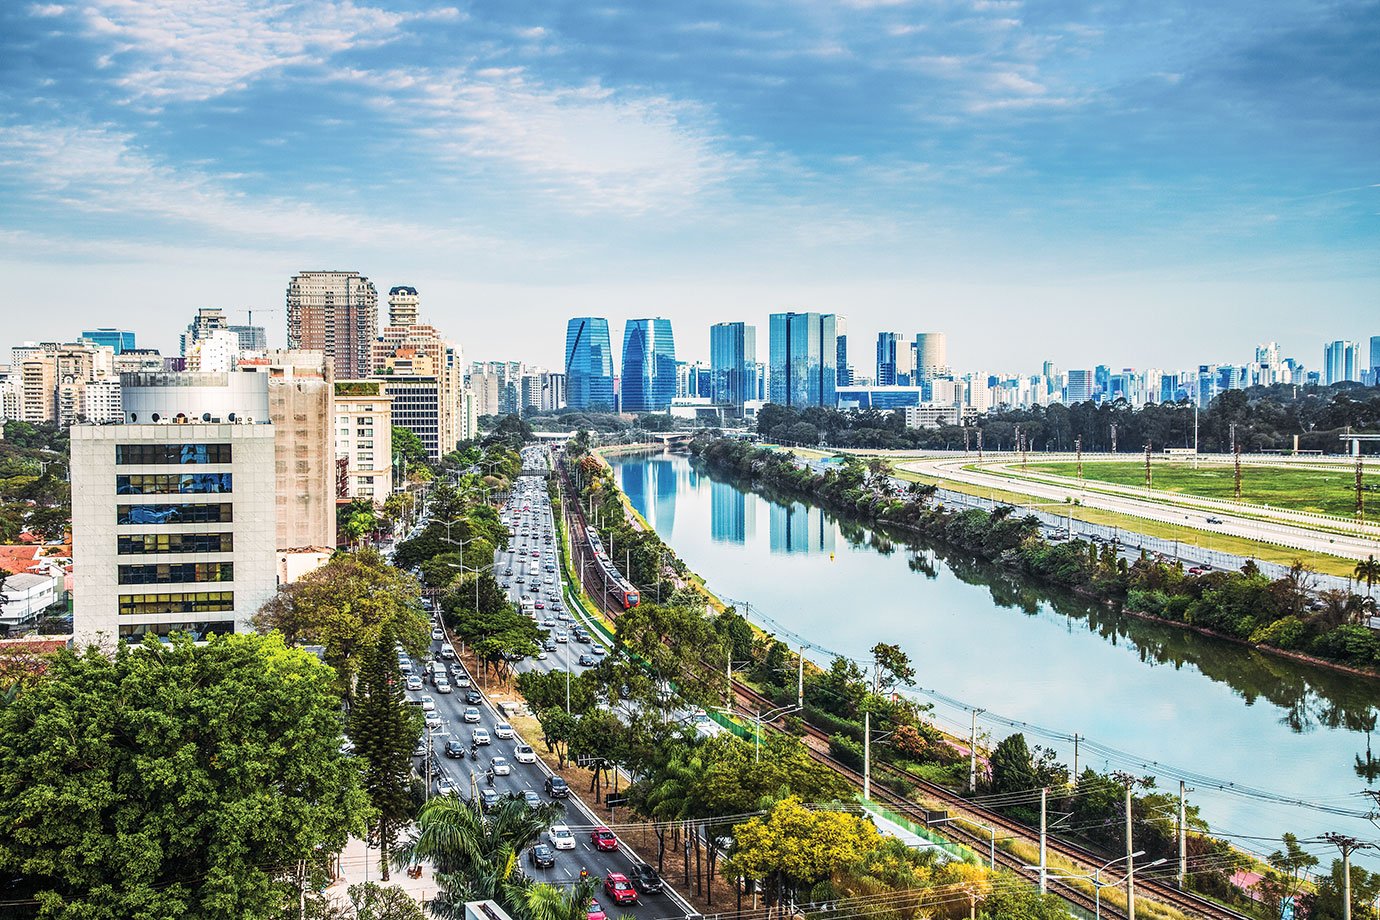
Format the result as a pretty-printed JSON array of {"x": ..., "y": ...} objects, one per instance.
[
  {"x": 144, "y": 543},
  {"x": 222, "y": 513},
  {"x": 172, "y": 483},
  {"x": 176, "y": 573},
  {"x": 172, "y": 453},
  {"x": 198, "y": 631},
  {"x": 132, "y": 605}
]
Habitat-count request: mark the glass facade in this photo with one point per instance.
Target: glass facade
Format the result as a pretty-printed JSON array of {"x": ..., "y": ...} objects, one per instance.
[
  {"x": 803, "y": 349},
  {"x": 140, "y": 544},
  {"x": 649, "y": 365},
  {"x": 733, "y": 363},
  {"x": 171, "y": 453},
  {"x": 221, "y": 513},
  {"x": 198, "y": 631},
  {"x": 172, "y": 483},
  {"x": 193, "y": 602},
  {"x": 122, "y": 340},
  {"x": 175, "y": 573},
  {"x": 589, "y": 364}
]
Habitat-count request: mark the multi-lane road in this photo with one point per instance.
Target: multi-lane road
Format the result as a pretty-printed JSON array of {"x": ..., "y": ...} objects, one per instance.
[{"x": 529, "y": 518}]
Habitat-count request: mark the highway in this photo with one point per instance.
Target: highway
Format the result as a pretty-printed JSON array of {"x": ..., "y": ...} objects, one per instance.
[{"x": 469, "y": 776}]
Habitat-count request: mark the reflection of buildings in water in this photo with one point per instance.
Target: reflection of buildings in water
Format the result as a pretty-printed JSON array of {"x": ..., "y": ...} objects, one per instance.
[
  {"x": 797, "y": 528},
  {"x": 731, "y": 515},
  {"x": 634, "y": 484},
  {"x": 663, "y": 518}
]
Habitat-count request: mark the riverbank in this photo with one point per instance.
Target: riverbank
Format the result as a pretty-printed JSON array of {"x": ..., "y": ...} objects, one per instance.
[{"x": 1277, "y": 617}]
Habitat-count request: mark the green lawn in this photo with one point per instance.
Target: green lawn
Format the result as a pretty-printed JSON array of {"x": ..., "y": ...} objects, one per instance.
[{"x": 1280, "y": 487}]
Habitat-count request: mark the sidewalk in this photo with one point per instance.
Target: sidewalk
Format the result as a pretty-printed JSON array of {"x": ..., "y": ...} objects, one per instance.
[{"x": 358, "y": 864}]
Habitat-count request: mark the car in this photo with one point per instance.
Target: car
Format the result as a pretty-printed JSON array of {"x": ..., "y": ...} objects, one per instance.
[
  {"x": 549, "y": 645},
  {"x": 646, "y": 879},
  {"x": 433, "y": 720},
  {"x": 428, "y": 704},
  {"x": 479, "y": 735},
  {"x": 599, "y": 650},
  {"x": 455, "y": 749},
  {"x": 524, "y": 753},
  {"x": 500, "y": 766},
  {"x": 447, "y": 653},
  {"x": 557, "y": 789},
  {"x": 588, "y": 661},
  {"x": 531, "y": 798},
  {"x": 549, "y": 622},
  {"x": 520, "y": 579},
  {"x": 488, "y": 798},
  {"x": 442, "y": 685},
  {"x": 420, "y": 749},
  {"x": 561, "y": 837},
  {"x": 1214, "y": 520},
  {"x": 471, "y": 715},
  {"x": 405, "y": 667},
  {"x": 437, "y": 633},
  {"x": 541, "y": 656},
  {"x": 542, "y": 856},
  {"x": 561, "y": 637},
  {"x": 539, "y": 605},
  {"x": 503, "y": 730},
  {"x": 617, "y": 887},
  {"x": 414, "y": 682},
  {"x": 474, "y": 697},
  {"x": 508, "y": 573},
  {"x": 595, "y": 912},
  {"x": 446, "y": 786},
  {"x": 603, "y": 839}
]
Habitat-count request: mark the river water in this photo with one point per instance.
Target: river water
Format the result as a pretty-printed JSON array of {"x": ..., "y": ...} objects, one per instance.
[{"x": 1146, "y": 698}]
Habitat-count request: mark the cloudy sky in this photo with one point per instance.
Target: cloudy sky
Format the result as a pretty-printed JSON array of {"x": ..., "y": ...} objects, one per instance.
[{"x": 1141, "y": 184}]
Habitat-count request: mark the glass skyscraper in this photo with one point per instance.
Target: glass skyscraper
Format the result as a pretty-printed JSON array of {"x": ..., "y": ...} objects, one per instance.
[
  {"x": 733, "y": 363},
  {"x": 589, "y": 364},
  {"x": 803, "y": 350},
  {"x": 649, "y": 365},
  {"x": 121, "y": 340}
]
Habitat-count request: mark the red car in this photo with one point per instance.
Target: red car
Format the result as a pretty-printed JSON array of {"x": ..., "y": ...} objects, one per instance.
[
  {"x": 603, "y": 839},
  {"x": 596, "y": 912},
  {"x": 620, "y": 889}
]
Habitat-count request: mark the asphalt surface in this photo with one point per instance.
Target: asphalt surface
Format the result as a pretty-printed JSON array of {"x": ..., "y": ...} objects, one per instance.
[{"x": 470, "y": 775}]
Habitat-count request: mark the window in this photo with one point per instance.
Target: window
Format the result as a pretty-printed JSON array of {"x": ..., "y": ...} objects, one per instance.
[
  {"x": 198, "y": 631},
  {"x": 197, "y": 602},
  {"x": 365, "y": 445},
  {"x": 143, "y": 543},
  {"x": 170, "y": 483},
  {"x": 172, "y": 453},
  {"x": 366, "y": 456},
  {"x": 173, "y": 573},
  {"x": 221, "y": 513}
]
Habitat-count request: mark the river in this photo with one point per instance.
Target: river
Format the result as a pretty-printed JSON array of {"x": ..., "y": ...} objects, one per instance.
[{"x": 1149, "y": 699}]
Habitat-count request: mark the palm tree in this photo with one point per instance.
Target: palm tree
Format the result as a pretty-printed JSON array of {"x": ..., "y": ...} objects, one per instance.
[
  {"x": 474, "y": 855},
  {"x": 548, "y": 902},
  {"x": 1369, "y": 571}
]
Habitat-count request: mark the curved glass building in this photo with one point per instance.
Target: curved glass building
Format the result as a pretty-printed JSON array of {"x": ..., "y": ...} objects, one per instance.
[
  {"x": 589, "y": 364},
  {"x": 649, "y": 365}
]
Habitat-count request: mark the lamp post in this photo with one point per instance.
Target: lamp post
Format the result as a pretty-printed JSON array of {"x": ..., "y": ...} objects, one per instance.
[{"x": 1096, "y": 878}]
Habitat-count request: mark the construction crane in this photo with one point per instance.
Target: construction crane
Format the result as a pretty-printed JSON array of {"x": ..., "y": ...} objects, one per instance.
[{"x": 251, "y": 313}]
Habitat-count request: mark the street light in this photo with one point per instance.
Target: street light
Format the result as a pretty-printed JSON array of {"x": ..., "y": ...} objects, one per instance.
[
  {"x": 769, "y": 716},
  {"x": 1096, "y": 878}
]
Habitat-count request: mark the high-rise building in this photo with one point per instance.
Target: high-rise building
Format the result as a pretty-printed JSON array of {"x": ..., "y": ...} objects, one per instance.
[
  {"x": 887, "y": 344},
  {"x": 1341, "y": 362},
  {"x": 649, "y": 365},
  {"x": 403, "y": 306},
  {"x": 216, "y": 352},
  {"x": 52, "y": 378},
  {"x": 418, "y": 350},
  {"x": 363, "y": 440},
  {"x": 335, "y": 313},
  {"x": 931, "y": 355},
  {"x": 843, "y": 371},
  {"x": 175, "y": 528},
  {"x": 733, "y": 364},
  {"x": 588, "y": 364},
  {"x": 1078, "y": 386},
  {"x": 803, "y": 349},
  {"x": 119, "y": 340}
]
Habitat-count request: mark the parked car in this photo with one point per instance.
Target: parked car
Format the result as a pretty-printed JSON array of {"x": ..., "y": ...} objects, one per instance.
[
  {"x": 437, "y": 633},
  {"x": 446, "y": 786}
]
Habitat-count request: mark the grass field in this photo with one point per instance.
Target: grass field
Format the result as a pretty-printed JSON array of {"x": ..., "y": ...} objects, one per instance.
[{"x": 1279, "y": 487}]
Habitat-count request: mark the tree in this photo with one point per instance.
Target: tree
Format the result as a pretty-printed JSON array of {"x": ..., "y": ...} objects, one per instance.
[
  {"x": 173, "y": 780},
  {"x": 372, "y": 901},
  {"x": 1290, "y": 866},
  {"x": 550, "y": 902},
  {"x": 408, "y": 449},
  {"x": 1021, "y": 902},
  {"x": 511, "y": 432},
  {"x": 384, "y": 731},
  {"x": 1327, "y": 903},
  {"x": 1368, "y": 570},
  {"x": 345, "y": 606}
]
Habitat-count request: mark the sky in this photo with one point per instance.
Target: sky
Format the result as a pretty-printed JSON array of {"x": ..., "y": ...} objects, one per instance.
[{"x": 1142, "y": 185}]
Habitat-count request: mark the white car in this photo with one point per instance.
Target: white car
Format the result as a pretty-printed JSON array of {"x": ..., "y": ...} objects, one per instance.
[
  {"x": 442, "y": 686},
  {"x": 471, "y": 714},
  {"x": 598, "y": 650},
  {"x": 479, "y": 735},
  {"x": 523, "y": 753},
  {"x": 447, "y": 653},
  {"x": 446, "y": 786},
  {"x": 500, "y": 766},
  {"x": 503, "y": 730},
  {"x": 428, "y": 704},
  {"x": 437, "y": 634},
  {"x": 414, "y": 683},
  {"x": 561, "y": 838},
  {"x": 433, "y": 720}
]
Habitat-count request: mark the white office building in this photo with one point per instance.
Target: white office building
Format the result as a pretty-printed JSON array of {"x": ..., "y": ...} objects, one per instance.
[
  {"x": 363, "y": 440},
  {"x": 173, "y": 526}
]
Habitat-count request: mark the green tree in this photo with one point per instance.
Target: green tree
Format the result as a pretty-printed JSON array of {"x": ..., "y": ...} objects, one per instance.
[
  {"x": 1327, "y": 903},
  {"x": 345, "y": 606},
  {"x": 1368, "y": 570},
  {"x": 173, "y": 780},
  {"x": 1291, "y": 866},
  {"x": 408, "y": 450},
  {"x": 550, "y": 902},
  {"x": 1021, "y": 902},
  {"x": 372, "y": 901},
  {"x": 384, "y": 731}
]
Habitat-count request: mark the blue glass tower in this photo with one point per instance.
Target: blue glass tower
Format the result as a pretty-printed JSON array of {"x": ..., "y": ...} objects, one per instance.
[
  {"x": 733, "y": 364},
  {"x": 121, "y": 340},
  {"x": 589, "y": 364},
  {"x": 649, "y": 365},
  {"x": 803, "y": 349}
]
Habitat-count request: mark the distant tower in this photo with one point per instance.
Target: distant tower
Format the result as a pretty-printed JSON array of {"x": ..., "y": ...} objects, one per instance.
[
  {"x": 403, "y": 304},
  {"x": 336, "y": 313},
  {"x": 931, "y": 355}
]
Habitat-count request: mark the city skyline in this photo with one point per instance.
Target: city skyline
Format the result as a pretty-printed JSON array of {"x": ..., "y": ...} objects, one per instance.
[{"x": 1076, "y": 173}]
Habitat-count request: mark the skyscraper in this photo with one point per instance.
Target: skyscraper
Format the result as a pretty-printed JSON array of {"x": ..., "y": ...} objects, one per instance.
[
  {"x": 931, "y": 355},
  {"x": 1375, "y": 354},
  {"x": 336, "y": 313},
  {"x": 803, "y": 351},
  {"x": 732, "y": 363},
  {"x": 1079, "y": 387},
  {"x": 649, "y": 365},
  {"x": 118, "y": 339},
  {"x": 588, "y": 364},
  {"x": 1341, "y": 362},
  {"x": 887, "y": 343},
  {"x": 843, "y": 371},
  {"x": 403, "y": 306}
]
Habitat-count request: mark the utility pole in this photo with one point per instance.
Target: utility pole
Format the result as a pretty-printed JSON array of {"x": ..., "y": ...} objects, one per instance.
[
  {"x": 800, "y": 684},
  {"x": 979, "y": 437},
  {"x": 1113, "y": 437},
  {"x": 1360, "y": 504},
  {"x": 972, "y": 753},
  {"x": 1044, "y": 828},
  {"x": 1195, "y": 433},
  {"x": 1347, "y": 845},
  {"x": 867, "y": 755},
  {"x": 1130, "y": 783},
  {"x": 1147, "y": 466},
  {"x": 1183, "y": 837},
  {"x": 1236, "y": 459},
  {"x": 1075, "y": 760},
  {"x": 1078, "y": 452}
]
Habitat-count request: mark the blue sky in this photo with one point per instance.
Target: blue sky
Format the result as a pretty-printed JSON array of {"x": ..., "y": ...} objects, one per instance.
[{"x": 1136, "y": 184}]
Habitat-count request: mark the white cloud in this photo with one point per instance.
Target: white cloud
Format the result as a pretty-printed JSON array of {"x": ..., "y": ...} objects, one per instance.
[{"x": 46, "y": 10}]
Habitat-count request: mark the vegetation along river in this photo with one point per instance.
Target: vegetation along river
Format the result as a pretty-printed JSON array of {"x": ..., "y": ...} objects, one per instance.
[{"x": 1149, "y": 699}]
